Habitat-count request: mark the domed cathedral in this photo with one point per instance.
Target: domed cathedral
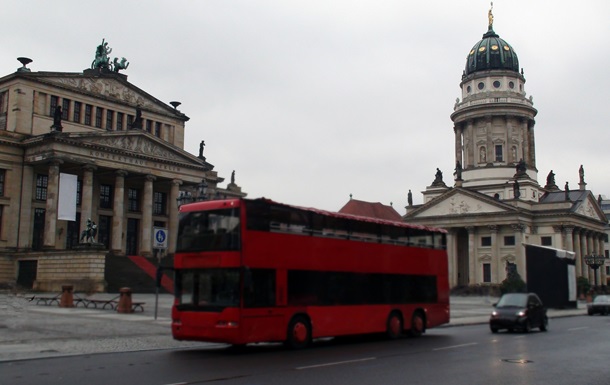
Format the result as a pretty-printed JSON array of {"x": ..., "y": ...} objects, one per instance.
[{"x": 495, "y": 205}]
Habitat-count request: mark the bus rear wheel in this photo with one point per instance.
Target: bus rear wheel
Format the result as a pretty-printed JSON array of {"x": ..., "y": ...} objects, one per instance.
[
  {"x": 394, "y": 326},
  {"x": 417, "y": 324},
  {"x": 299, "y": 333}
]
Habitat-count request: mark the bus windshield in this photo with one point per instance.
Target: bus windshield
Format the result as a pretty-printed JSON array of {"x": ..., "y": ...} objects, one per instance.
[
  {"x": 214, "y": 230},
  {"x": 208, "y": 290}
]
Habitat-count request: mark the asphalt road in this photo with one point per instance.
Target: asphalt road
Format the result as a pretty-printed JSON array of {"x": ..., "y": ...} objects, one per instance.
[{"x": 574, "y": 351}]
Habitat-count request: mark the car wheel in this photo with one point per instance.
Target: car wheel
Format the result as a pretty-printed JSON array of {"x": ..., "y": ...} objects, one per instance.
[
  {"x": 527, "y": 327},
  {"x": 590, "y": 312},
  {"x": 544, "y": 326},
  {"x": 510, "y": 330},
  {"x": 493, "y": 329}
]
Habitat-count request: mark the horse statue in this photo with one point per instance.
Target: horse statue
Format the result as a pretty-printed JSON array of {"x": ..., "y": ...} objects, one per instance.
[
  {"x": 120, "y": 65},
  {"x": 89, "y": 233}
]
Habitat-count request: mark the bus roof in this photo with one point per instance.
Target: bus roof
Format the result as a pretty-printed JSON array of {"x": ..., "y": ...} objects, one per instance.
[{"x": 226, "y": 203}]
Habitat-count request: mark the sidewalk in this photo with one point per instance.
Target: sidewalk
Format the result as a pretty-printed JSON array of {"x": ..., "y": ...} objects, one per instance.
[{"x": 30, "y": 331}]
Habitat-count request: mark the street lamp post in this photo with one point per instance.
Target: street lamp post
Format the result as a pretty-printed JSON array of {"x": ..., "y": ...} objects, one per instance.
[
  {"x": 186, "y": 197},
  {"x": 595, "y": 261}
]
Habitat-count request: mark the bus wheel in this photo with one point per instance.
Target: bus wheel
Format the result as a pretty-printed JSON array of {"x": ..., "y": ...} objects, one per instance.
[
  {"x": 299, "y": 333},
  {"x": 394, "y": 326},
  {"x": 417, "y": 324}
]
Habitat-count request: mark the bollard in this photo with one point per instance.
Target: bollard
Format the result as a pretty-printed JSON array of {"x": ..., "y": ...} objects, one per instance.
[
  {"x": 67, "y": 296},
  {"x": 124, "y": 305}
]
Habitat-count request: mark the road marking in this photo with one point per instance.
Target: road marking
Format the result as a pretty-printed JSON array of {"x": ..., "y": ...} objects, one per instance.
[
  {"x": 456, "y": 346},
  {"x": 336, "y": 363},
  {"x": 578, "y": 328}
]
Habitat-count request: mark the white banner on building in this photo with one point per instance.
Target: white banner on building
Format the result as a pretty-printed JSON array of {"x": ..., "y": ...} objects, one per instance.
[{"x": 66, "y": 207}]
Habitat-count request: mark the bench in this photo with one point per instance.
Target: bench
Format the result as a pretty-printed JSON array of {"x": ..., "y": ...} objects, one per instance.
[
  {"x": 102, "y": 303},
  {"x": 48, "y": 301}
]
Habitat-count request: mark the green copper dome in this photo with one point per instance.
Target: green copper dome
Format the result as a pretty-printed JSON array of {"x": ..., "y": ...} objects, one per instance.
[{"x": 491, "y": 53}]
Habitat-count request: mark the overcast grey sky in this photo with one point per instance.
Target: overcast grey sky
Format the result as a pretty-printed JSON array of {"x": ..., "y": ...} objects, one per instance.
[{"x": 310, "y": 101}]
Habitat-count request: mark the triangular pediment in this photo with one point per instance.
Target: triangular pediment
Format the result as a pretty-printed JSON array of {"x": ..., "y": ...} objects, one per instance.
[
  {"x": 133, "y": 143},
  {"x": 459, "y": 202},
  {"x": 589, "y": 207},
  {"x": 114, "y": 87}
]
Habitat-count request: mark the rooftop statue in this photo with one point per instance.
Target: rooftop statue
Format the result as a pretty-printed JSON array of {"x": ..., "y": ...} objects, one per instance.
[
  {"x": 120, "y": 65},
  {"x": 102, "y": 59}
]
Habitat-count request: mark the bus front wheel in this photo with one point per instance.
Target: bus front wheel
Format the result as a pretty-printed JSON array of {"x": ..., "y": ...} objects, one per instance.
[
  {"x": 394, "y": 326},
  {"x": 299, "y": 332},
  {"x": 417, "y": 324}
]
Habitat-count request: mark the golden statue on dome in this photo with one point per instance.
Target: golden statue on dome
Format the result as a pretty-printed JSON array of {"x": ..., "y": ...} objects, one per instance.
[{"x": 490, "y": 16}]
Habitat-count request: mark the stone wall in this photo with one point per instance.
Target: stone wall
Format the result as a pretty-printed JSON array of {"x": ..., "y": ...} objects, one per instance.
[
  {"x": 83, "y": 269},
  {"x": 8, "y": 271}
]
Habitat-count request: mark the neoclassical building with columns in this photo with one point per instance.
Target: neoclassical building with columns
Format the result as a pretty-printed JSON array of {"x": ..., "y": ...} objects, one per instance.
[
  {"x": 124, "y": 150},
  {"x": 494, "y": 204}
]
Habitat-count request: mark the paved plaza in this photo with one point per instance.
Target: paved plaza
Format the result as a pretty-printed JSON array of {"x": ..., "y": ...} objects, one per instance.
[{"x": 30, "y": 330}]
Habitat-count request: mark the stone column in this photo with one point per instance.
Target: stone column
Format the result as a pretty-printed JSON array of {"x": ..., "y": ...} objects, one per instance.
[
  {"x": 173, "y": 216},
  {"x": 147, "y": 223},
  {"x": 50, "y": 221},
  {"x": 86, "y": 205},
  {"x": 578, "y": 256},
  {"x": 450, "y": 253},
  {"x": 583, "y": 253},
  {"x": 569, "y": 232},
  {"x": 519, "y": 254},
  {"x": 26, "y": 212},
  {"x": 495, "y": 254},
  {"x": 472, "y": 255},
  {"x": 457, "y": 129},
  {"x": 590, "y": 250},
  {"x": 602, "y": 269},
  {"x": 118, "y": 213}
]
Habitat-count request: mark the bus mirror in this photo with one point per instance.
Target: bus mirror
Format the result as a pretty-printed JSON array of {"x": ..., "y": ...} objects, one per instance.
[{"x": 247, "y": 278}]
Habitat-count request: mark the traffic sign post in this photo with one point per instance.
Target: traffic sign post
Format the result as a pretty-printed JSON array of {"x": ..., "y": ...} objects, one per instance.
[{"x": 159, "y": 245}]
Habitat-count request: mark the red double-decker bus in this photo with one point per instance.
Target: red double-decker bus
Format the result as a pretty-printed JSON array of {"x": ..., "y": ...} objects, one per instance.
[{"x": 254, "y": 270}]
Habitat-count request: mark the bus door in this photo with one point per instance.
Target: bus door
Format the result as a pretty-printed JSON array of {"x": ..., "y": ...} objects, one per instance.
[{"x": 262, "y": 316}]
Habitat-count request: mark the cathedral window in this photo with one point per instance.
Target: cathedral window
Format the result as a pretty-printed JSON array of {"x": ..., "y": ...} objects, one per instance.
[
  {"x": 65, "y": 109},
  {"x": 487, "y": 272},
  {"x": 149, "y": 125},
  {"x": 481, "y": 85},
  {"x": 105, "y": 196},
  {"x": 54, "y": 103},
  {"x": 159, "y": 203},
  {"x": 133, "y": 200},
  {"x": 485, "y": 241},
  {"x": 88, "y": 112},
  {"x": 2, "y": 176},
  {"x": 98, "y": 117},
  {"x": 158, "y": 129},
  {"x": 78, "y": 106},
  {"x": 119, "y": 121},
  {"x": 509, "y": 240},
  {"x": 109, "y": 120},
  {"x": 546, "y": 241},
  {"x": 499, "y": 154},
  {"x": 497, "y": 84},
  {"x": 42, "y": 182}
]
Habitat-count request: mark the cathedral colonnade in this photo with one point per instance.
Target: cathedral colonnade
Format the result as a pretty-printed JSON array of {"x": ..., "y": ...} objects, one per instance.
[{"x": 478, "y": 254}]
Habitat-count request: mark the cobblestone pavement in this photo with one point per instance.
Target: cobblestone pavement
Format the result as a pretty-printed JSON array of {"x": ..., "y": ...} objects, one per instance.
[{"x": 28, "y": 330}]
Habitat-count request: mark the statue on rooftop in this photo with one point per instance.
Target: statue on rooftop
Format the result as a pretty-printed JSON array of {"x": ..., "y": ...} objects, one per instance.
[
  {"x": 120, "y": 65},
  {"x": 102, "y": 60},
  {"x": 57, "y": 115},
  {"x": 581, "y": 174},
  {"x": 137, "y": 122},
  {"x": 458, "y": 170}
]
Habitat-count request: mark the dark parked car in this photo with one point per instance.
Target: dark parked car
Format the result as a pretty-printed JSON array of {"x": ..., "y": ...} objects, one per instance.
[
  {"x": 600, "y": 305},
  {"x": 522, "y": 311}
]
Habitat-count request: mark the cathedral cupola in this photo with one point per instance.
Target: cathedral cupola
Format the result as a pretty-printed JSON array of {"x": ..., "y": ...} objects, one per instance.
[{"x": 491, "y": 53}]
